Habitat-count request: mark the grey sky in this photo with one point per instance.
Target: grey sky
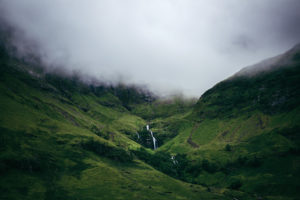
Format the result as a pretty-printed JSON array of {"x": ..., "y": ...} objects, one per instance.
[{"x": 169, "y": 45}]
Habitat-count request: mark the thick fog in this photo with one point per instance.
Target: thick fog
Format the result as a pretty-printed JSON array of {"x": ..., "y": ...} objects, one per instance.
[{"x": 170, "y": 45}]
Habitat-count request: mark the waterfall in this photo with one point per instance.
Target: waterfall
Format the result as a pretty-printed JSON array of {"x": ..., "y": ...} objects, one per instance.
[
  {"x": 174, "y": 160},
  {"x": 138, "y": 135},
  {"x": 153, "y": 138}
]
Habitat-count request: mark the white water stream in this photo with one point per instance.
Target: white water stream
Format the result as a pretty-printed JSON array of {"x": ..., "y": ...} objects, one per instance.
[
  {"x": 153, "y": 138},
  {"x": 174, "y": 160}
]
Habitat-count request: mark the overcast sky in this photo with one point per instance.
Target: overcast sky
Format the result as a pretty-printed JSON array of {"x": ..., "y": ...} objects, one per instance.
[{"x": 169, "y": 45}]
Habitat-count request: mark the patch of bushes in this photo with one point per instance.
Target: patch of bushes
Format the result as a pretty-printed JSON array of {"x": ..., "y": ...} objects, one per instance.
[
  {"x": 98, "y": 132},
  {"x": 291, "y": 134},
  {"x": 25, "y": 164},
  {"x": 248, "y": 162},
  {"x": 235, "y": 185},
  {"x": 254, "y": 162},
  {"x": 228, "y": 147},
  {"x": 162, "y": 161},
  {"x": 209, "y": 166},
  {"x": 33, "y": 162},
  {"x": 103, "y": 149},
  {"x": 179, "y": 167},
  {"x": 242, "y": 161}
]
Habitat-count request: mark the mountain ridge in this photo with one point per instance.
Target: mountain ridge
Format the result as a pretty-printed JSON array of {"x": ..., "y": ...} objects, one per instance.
[
  {"x": 63, "y": 138},
  {"x": 285, "y": 59}
]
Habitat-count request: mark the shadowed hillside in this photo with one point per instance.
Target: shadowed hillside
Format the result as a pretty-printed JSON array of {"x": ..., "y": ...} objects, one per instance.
[
  {"x": 243, "y": 133},
  {"x": 62, "y": 138}
]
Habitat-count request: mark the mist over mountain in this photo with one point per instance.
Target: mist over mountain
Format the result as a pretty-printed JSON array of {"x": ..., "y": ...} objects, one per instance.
[
  {"x": 148, "y": 100},
  {"x": 63, "y": 138},
  {"x": 287, "y": 59},
  {"x": 171, "y": 46}
]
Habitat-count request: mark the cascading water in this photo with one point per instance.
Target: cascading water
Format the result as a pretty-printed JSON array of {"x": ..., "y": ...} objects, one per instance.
[
  {"x": 174, "y": 160},
  {"x": 138, "y": 135},
  {"x": 153, "y": 138}
]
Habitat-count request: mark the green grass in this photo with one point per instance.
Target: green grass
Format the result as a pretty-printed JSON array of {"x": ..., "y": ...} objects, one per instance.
[
  {"x": 45, "y": 127},
  {"x": 63, "y": 139},
  {"x": 243, "y": 134}
]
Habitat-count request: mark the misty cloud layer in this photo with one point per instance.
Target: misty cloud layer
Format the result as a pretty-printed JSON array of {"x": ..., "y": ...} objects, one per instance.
[{"x": 170, "y": 45}]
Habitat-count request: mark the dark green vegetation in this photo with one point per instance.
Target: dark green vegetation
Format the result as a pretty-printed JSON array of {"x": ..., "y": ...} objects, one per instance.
[
  {"x": 61, "y": 138},
  {"x": 243, "y": 134}
]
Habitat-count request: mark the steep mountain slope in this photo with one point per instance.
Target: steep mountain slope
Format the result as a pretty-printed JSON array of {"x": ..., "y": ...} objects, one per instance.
[
  {"x": 243, "y": 133},
  {"x": 63, "y": 139},
  {"x": 284, "y": 60}
]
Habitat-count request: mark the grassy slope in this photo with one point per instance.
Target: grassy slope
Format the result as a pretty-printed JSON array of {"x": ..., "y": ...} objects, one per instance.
[
  {"x": 165, "y": 117},
  {"x": 43, "y": 129},
  {"x": 46, "y": 122},
  {"x": 259, "y": 118},
  {"x": 278, "y": 163}
]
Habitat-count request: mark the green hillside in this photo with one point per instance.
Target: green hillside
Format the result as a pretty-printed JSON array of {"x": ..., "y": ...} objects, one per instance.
[
  {"x": 243, "y": 133},
  {"x": 62, "y": 138}
]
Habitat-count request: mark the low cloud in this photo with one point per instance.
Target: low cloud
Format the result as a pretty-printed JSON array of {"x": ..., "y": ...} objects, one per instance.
[{"x": 170, "y": 45}]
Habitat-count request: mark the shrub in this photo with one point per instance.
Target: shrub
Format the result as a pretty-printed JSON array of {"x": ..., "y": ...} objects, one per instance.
[
  {"x": 162, "y": 161},
  {"x": 107, "y": 151},
  {"x": 209, "y": 167},
  {"x": 254, "y": 162},
  {"x": 194, "y": 169},
  {"x": 228, "y": 147},
  {"x": 235, "y": 185},
  {"x": 242, "y": 160},
  {"x": 98, "y": 132}
]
